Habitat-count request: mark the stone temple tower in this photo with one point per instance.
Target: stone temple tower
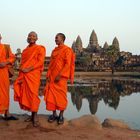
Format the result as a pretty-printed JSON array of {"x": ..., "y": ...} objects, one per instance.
[
  {"x": 73, "y": 45},
  {"x": 77, "y": 46},
  {"x": 93, "y": 45},
  {"x": 115, "y": 42},
  {"x": 106, "y": 46}
]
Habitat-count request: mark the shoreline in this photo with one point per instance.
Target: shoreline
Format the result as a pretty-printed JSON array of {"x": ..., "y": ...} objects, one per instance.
[{"x": 87, "y": 127}]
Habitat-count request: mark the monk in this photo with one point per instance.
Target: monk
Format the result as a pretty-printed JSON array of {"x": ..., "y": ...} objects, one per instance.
[
  {"x": 26, "y": 86},
  {"x": 61, "y": 68},
  {"x": 4, "y": 81}
]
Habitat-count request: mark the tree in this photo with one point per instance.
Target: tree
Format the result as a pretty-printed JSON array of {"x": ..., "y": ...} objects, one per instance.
[
  {"x": 84, "y": 62},
  {"x": 113, "y": 53}
]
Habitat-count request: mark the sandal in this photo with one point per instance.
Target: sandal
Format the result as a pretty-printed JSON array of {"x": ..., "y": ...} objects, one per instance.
[
  {"x": 29, "y": 119},
  {"x": 36, "y": 123},
  {"x": 60, "y": 120},
  {"x": 9, "y": 118},
  {"x": 52, "y": 118}
]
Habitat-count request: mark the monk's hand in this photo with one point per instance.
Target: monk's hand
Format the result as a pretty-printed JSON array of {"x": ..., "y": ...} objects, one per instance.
[
  {"x": 3, "y": 64},
  {"x": 57, "y": 78},
  {"x": 48, "y": 80},
  {"x": 26, "y": 70},
  {"x": 20, "y": 81}
]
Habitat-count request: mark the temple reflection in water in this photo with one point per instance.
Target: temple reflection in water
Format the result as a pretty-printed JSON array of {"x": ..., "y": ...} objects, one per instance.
[{"x": 109, "y": 91}]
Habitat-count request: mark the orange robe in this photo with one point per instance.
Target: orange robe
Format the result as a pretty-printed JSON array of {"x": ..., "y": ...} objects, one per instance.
[
  {"x": 26, "y": 86},
  {"x": 60, "y": 63},
  {"x": 4, "y": 80}
]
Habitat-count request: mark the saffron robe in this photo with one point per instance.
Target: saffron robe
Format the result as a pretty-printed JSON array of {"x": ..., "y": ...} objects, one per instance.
[
  {"x": 26, "y": 86},
  {"x": 4, "y": 79},
  {"x": 56, "y": 92}
]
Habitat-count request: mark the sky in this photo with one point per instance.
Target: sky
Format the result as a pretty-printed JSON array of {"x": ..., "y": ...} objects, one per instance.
[{"x": 108, "y": 18}]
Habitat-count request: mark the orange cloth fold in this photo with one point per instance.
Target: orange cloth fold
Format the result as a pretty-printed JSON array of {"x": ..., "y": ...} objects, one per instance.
[
  {"x": 60, "y": 64},
  {"x": 4, "y": 79},
  {"x": 26, "y": 86}
]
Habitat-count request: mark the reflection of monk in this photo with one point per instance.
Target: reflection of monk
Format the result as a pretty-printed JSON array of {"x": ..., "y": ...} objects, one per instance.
[
  {"x": 4, "y": 80},
  {"x": 27, "y": 84},
  {"x": 59, "y": 72}
]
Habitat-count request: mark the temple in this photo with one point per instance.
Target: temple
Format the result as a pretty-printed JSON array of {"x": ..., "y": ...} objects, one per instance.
[{"x": 108, "y": 57}]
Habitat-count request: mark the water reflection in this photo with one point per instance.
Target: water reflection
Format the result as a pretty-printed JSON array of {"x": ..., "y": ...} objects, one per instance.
[
  {"x": 108, "y": 91},
  {"x": 117, "y": 99}
]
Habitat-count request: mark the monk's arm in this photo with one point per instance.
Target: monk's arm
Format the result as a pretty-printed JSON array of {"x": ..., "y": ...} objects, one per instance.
[
  {"x": 11, "y": 58},
  {"x": 41, "y": 57},
  {"x": 66, "y": 69},
  {"x": 49, "y": 71}
]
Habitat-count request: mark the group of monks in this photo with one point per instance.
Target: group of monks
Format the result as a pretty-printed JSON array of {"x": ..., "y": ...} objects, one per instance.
[{"x": 26, "y": 86}]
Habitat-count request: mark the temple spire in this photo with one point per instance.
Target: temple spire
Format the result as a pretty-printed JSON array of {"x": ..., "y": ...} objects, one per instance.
[{"x": 115, "y": 42}]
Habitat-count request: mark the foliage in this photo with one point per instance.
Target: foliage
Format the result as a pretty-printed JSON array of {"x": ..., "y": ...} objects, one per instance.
[{"x": 113, "y": 53}]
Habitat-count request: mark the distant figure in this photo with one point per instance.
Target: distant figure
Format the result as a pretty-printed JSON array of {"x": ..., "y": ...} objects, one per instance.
[
  {"x": 26, "y": 86},
  {"x": 18, "y": 58},
  {"x": 4, "y": 79},
  {"x": 61, "y": 68}
]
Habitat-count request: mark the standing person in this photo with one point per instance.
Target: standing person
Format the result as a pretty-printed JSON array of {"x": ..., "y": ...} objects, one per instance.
[
  {"x": 4, "y": 80},
  {"x": 61, "y": 68},
  {"x": 26, "y": 86}
]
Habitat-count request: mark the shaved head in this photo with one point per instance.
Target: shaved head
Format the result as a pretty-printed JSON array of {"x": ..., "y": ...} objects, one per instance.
[
  {"x": 62, "y": 36},
  {"x": 33, "y": 32},
  {"x": 32, "y": 37}
]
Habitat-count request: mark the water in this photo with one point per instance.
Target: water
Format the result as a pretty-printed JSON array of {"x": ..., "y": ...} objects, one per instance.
[{"x": 117, "y": 99}]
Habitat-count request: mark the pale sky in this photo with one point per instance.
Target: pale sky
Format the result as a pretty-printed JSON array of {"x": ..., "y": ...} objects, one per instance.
[{"x": 109, "y": 18}]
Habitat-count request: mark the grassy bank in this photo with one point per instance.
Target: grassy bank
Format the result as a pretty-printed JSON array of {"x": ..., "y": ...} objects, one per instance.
[
  {"x": 129, "y": 74},
  {"x": 96, "y": 75}
]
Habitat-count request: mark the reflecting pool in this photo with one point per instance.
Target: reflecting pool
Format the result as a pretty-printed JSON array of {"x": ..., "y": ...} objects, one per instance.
[{"x": 105, "y": 98}]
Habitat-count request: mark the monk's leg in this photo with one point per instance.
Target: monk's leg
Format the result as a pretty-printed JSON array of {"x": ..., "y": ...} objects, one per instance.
[
  {"x": 54, "y": 113},
  {"x": 6, "y": 113},
  {"x": 34, "y": 119},
  {"x": 61, "y": 113},
  {"x": 31, "y": 118},
  {"x": 61, "y": 118}
]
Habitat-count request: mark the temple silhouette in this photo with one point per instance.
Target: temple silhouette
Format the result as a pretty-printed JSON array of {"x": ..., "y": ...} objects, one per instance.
[{"x": 94, "y": 57}]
